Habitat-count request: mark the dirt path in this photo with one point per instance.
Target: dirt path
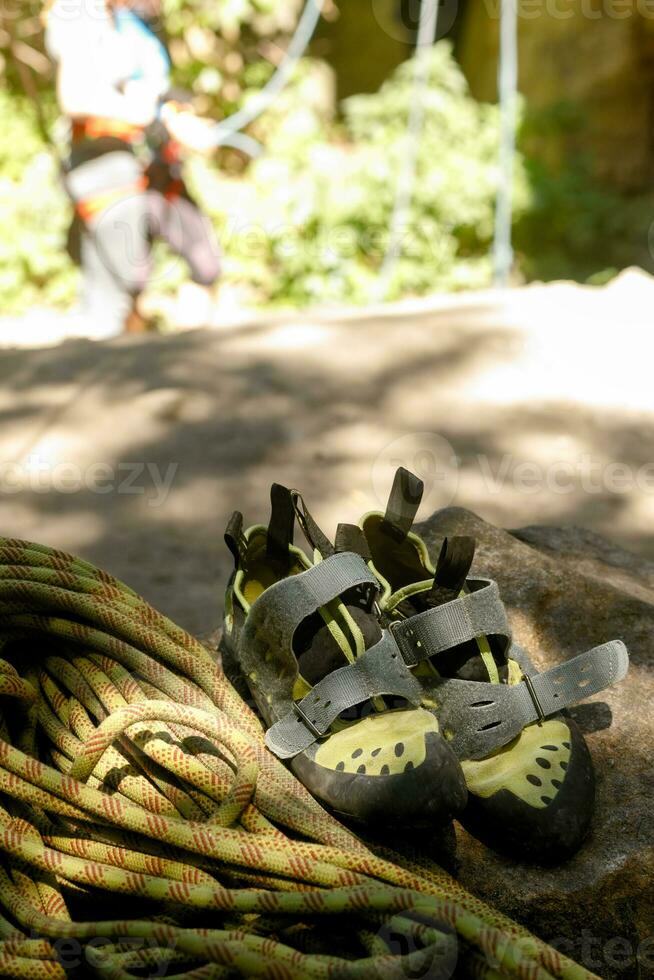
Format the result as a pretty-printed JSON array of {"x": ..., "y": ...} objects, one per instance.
[{"x": 528, "y": 407}]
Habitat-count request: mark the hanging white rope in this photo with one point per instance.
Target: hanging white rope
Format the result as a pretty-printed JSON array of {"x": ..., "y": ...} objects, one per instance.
[
  {"x": 508, "y": 95},
  {"x": 244, "y": 143},
  {"x": 225, "y": 131},
  {"x": 404, "y": 195}
]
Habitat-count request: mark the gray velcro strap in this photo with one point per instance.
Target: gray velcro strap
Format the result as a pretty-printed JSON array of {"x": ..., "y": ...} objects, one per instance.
[
  {"x": 483, "y": 717},
  {"x": 277, "y": 613},
  {"x": 478, "y": 613},
  {"x": 380, "y": 670}
]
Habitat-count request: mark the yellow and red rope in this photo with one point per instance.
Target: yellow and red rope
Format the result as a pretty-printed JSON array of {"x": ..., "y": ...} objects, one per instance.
[{"x": 129, "y": 767}]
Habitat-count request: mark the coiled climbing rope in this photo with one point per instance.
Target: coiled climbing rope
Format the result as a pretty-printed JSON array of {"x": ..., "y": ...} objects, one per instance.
[{"x": 146, "y": 831}]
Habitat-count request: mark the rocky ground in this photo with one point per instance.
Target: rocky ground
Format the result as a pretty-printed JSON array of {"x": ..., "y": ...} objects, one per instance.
[
  {"x": 531, "y": 408},
  {"x": 566, "y": 591}
]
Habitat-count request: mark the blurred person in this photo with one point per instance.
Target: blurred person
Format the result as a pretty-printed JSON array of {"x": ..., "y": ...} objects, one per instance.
[{"x": 128, "y": 134}]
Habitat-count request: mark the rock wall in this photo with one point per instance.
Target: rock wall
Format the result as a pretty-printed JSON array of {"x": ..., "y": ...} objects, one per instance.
[
  {"x": 586, "y": 71},
  {"x": 364, "y": 41},
  {"x": 567, "y": 590},
  {"x": 596, "y": 56}
]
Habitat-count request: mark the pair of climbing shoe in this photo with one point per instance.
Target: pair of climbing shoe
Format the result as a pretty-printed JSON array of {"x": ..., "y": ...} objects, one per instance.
[{"x": 391, "y": 684}]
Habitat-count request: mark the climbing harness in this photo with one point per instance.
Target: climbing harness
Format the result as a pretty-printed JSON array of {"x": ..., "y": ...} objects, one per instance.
[
  {"x": 145, "y": 827},
  {"x": 94, "y": 128},
  {"x": 91, "y": 207}
]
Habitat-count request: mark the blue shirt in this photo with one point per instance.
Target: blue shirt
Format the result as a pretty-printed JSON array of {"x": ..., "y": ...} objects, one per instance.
[{"x": 151, "y": 60}]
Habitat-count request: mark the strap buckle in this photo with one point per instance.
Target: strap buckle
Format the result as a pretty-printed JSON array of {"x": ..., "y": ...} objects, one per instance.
[
  {"x": 534, "y": 697},
  {"x": 404, "y": 644},
  {"x": 317, "y": 734},
  {"x": 394, "y": 625}
]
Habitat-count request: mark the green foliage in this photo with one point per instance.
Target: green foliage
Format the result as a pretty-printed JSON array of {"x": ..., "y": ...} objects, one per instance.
[
  {"x": 322, "y": 196},
  {"x": 574, "y": 227},
  {"x": 217, "y": 47},
  {"x": 567, "y": 224},
  {"x": 309, "y": 221},
  {"x": 34, "y": 267}
]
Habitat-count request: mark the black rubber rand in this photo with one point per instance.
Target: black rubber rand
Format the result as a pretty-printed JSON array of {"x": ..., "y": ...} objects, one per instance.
[{"x": 548, "y": 835}]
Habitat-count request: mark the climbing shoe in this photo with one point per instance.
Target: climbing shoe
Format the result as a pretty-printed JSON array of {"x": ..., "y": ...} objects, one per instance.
[
  {"x": 528, "y": 770},
  {"x": 302, "y": 637}
]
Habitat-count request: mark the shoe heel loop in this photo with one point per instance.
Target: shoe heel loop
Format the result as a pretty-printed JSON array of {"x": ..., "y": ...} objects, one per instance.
[
  {"x": 403, "y": 503},
  {"x": 350, "y": 537},
  {"x": 452, "y": 569},
  {"x": 235, "y": 539},
  {"x": 281, "y": 527}
]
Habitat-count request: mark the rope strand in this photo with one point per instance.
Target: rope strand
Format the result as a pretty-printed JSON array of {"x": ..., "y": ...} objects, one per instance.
[{"x": 133, "y": 776}]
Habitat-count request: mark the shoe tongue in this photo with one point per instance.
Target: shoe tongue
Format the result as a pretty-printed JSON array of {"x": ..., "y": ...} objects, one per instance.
[
  {"x": 317, "y": 650},
  {"x": 466, "y": 662}
]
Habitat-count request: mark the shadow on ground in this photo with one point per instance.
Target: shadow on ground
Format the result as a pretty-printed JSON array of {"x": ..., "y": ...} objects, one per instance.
[
  {"x": 135, "y": 453},
  {"x": 202, "y": 423}
]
